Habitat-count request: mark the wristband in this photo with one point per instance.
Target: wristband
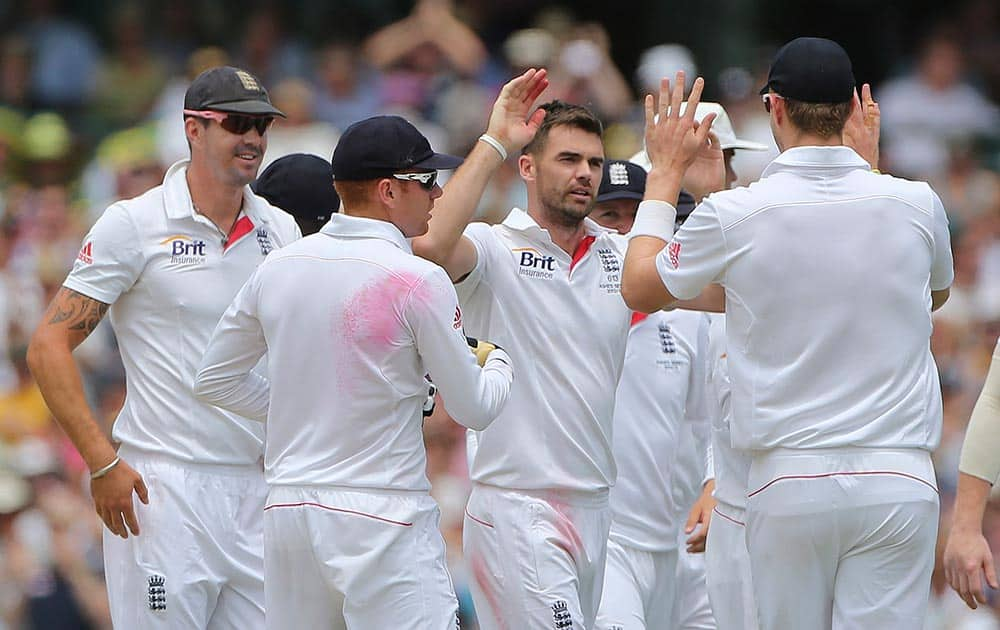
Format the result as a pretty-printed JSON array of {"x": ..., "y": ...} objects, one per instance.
[
  {"x": 654, "y": 218},
  {"x": 100, "y": 472},
  {"x": 493, "y": 142}
]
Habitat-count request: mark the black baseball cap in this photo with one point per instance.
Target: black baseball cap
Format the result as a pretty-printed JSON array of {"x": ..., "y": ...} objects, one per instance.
[
  {"x": 621, "y": 180},
  {"x": 229, "y": 89},
  {"x": 382, "y": 145},
  {"x": 812, "y": 70},
  {"x": 685, "y": 205},
  {"x": 301, "y": 185}
]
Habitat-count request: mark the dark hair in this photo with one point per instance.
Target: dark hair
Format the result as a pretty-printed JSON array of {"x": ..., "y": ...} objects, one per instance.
[
  {"x": 560, "y": 114},
  {"x": 823, "y": 119}
]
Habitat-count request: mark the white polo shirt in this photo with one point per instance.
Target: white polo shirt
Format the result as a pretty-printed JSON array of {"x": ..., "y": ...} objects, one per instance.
[
  {"x": 168, "y": 277},
  {"x": 565, "y": 315},
  {"x": 351, "y": 322},
  {"x": 828, "y": 270},
  {"x": 730, "y": 467},
  {"x": 659, "y": 413}
]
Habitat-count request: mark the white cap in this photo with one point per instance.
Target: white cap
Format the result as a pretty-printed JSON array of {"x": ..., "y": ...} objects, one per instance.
[{"x": 722, "y": 127}]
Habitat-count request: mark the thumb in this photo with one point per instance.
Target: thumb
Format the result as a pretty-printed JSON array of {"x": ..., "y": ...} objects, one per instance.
[
  {"x": 693, "y": 518},
  {"x": 140, "y": 489}
]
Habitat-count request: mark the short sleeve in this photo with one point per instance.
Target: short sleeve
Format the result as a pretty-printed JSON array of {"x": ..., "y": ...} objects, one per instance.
[
  {"x": 110, "y": 259},
  {"x": 942, "y": 267},
  {"x": 696, "y": 256},
  {"x": 482, "y": 238}
]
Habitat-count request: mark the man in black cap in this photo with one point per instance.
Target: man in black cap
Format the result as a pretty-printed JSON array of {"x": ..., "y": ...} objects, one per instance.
[
  {"x": 830, "y": 273},
  {"x": 302, "y": 185},
  {"x": 167, "y": 264},
  {"x": 351, "y": 321}
]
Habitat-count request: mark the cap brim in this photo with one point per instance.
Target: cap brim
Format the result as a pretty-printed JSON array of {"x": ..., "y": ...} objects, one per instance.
[
  {"x": 618, "y": 194},
  {"x": 440, "y": 162},
  {"x": 745, "y": 144},
  {"x": 256, "y": 108}
]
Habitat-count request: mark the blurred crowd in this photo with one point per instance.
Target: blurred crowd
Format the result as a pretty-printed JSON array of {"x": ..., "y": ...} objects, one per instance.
[{"x": 87, "y": 118}]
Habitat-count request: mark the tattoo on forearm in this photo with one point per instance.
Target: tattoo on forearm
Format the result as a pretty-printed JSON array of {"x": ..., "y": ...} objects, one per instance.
[{"x": 77, "y": 310}]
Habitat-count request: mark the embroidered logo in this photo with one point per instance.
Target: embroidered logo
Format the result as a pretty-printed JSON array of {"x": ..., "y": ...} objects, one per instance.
[
  {"x": 618, "y": 174},
  {"x": 157, "y": 592},
  {"x": 609, "y": 260},
  {"x": 457, "y": 322},
  {"x": 264, "y": 241},
  {"x": 533, "y": 264},
  {"x": 674, "y": 251},
  {"x": 667, "y": 342},
  {"x": 184, "y": 250},
  {"x": 249, "y": 83},
  {"x": 86, "y": 254},
  {"x": 561, "y": 617}
]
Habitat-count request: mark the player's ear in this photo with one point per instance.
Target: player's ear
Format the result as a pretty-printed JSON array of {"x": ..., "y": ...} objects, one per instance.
[
  {"x": 384, "y": 192},
  {"x": 526, "y": 167}
]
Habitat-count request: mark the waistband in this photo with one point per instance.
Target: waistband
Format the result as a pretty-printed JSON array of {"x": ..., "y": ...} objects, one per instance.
[
  {"x": 769, "y": 466},
  {"x": 133, "y": 455},
  {"x": 596, "y": 499},
  {"x": 292, "y": 489}
]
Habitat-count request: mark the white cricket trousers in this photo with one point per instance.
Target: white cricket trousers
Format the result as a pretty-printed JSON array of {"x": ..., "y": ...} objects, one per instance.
[
  {"x": 842, "y": 538},
  {"x": 727, "y": 569},
  {"x": 198, "y": 560},
  {"x": 640, "y": 589},
  {"x": 692, "y": 609},
  {"x": 536, "y": 558},
  {"x": 360, "y": 559}
]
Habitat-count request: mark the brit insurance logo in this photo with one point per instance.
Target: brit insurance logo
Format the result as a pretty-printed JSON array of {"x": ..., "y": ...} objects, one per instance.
[
  {"x": 531, "y": 263},
  {"x": 185, "y": 250}
]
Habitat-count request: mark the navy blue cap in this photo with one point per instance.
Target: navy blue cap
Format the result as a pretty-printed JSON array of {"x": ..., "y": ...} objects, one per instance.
[
  {"x": 621, "y": 180},
  {"x": 301, "y": 185},
  {"x": 382, "y": 145},
  {"x": 812, "y": 70}
]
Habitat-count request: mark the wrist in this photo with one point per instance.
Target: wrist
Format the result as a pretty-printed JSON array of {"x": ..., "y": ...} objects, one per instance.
[
  {"x": 663, "y": 184},
  {"x": 495, "y": 143},
  {"x": 104, "y": 470},
  {"x": 654, "y": 218},
  {"x": 504, "y": 141}
]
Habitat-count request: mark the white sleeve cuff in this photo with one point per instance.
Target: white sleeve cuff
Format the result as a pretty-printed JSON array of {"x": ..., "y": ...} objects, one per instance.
[{"x": 654, "y": 218}]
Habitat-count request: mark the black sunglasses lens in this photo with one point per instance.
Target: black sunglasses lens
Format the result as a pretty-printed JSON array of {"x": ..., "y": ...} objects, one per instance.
[
  {"x": 430, "y": 183},
  {"x": 234, "y": 123}
]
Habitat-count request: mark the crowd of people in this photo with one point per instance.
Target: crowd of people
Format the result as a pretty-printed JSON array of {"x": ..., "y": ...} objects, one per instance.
[{"x": 80, "y": 129}]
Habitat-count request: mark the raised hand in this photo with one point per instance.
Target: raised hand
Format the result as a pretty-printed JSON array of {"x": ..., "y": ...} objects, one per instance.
[
  {"x": 673, "y": 140},
  {"x": 863, "y": 127},
  {"x": 510, "y": 122},
  {"x": 707, "y": 174}
]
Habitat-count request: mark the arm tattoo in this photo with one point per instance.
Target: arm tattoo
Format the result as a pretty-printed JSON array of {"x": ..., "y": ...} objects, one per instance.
[{"x": 81, "y": 313}]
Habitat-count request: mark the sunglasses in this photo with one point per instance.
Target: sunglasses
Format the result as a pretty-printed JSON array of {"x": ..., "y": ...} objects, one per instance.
[
  {"x": 767, "y": 101},
  {"x": 427, "y": 181},
  {"x": 234, "y": 123}
]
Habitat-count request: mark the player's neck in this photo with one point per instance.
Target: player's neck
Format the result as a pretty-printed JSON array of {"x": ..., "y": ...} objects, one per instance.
[
  {"x": 795, "y": 138},
  {"x": 219, "y": 203},
  {"x": 565, "y": 234}
]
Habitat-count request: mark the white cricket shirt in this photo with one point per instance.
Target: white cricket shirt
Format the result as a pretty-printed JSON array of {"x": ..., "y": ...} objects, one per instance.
[
  {"x": 828, "y": 270},
  {"x": 351, "y": 322},
  {"x": 168, "y": 277},
  {"x": 730, "y": 467},
  {"x": 659, "y": 411},
  {"x": 565, "y": 315}
]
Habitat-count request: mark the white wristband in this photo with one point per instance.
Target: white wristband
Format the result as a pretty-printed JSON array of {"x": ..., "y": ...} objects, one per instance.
[
  {"x": 493, "y": 142},
  {"x": 654, "y": 218}
]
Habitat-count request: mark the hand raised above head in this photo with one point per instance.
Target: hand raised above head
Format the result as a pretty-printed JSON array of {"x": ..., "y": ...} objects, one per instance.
[
  {"x": 674, "y": 140},
  {"x": 510, "y": 122}
]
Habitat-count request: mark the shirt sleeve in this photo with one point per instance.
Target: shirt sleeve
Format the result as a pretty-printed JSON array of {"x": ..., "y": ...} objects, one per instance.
[
  {"x": 225, "y": 377},
  {"x": 696, "y": 256},
  {"x": 111, "y": 258},
  {"x": 942, "y": 268},
  {"x": 481, "y": 236},
  {"x": 473, "y": 396}
]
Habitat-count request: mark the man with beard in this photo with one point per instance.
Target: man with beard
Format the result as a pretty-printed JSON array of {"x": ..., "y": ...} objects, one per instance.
[
  {"x": 168, "y": 264},
  {"x": 543, "y": 284}
]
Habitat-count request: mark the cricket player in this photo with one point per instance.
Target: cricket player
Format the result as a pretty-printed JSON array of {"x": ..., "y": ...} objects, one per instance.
[
  {"x": 301, "y": 184},
  {"x": 830, "y": 273},
  {"x": 968, "y": 560},
  {"x": 189, "y": 553},
  {"x": 351, "y": 321},
  {"x": 660, "y": 441},
  {"x": 544, "y": 284}
]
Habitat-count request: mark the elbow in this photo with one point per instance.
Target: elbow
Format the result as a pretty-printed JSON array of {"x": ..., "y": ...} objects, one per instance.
[
  {"x": 637, "y": 299},
  {"x": 40, "y": 346},
  {"x": 206, "y": 388},
  {"x": 426, "y": 248}
]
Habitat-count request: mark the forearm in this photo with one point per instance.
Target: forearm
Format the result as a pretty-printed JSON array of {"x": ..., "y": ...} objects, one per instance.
[
  {"x": 981, "y": 449},
  {"x": 457, "y": 205},
  {"x": 970, "y": 502},
  {"x": 460, "y": 45},
  {"x": 391, "y": 43},
  {"x": 58, "y": 379},
  {"x": 247, "y": 395}
]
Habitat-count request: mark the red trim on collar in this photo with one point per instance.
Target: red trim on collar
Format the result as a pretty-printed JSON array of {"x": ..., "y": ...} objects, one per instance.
[
  {"x": 240, "y": 229},
  {"x": 582, "y": 249},
  {"x": 638, "y": 317}
]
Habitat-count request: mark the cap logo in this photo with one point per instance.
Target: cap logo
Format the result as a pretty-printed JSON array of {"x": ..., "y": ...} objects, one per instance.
[
  {"x": 249, "y": 83},
  {"x": 618, "y": 174}
]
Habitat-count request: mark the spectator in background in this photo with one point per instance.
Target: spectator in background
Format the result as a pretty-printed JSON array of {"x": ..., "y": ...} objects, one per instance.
[
  {"x": 928, "y": 110},
  {"x": 347, "y": 90},
  {"x": 299, "y": 132},
  {"x": 268, "y": 51}
]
